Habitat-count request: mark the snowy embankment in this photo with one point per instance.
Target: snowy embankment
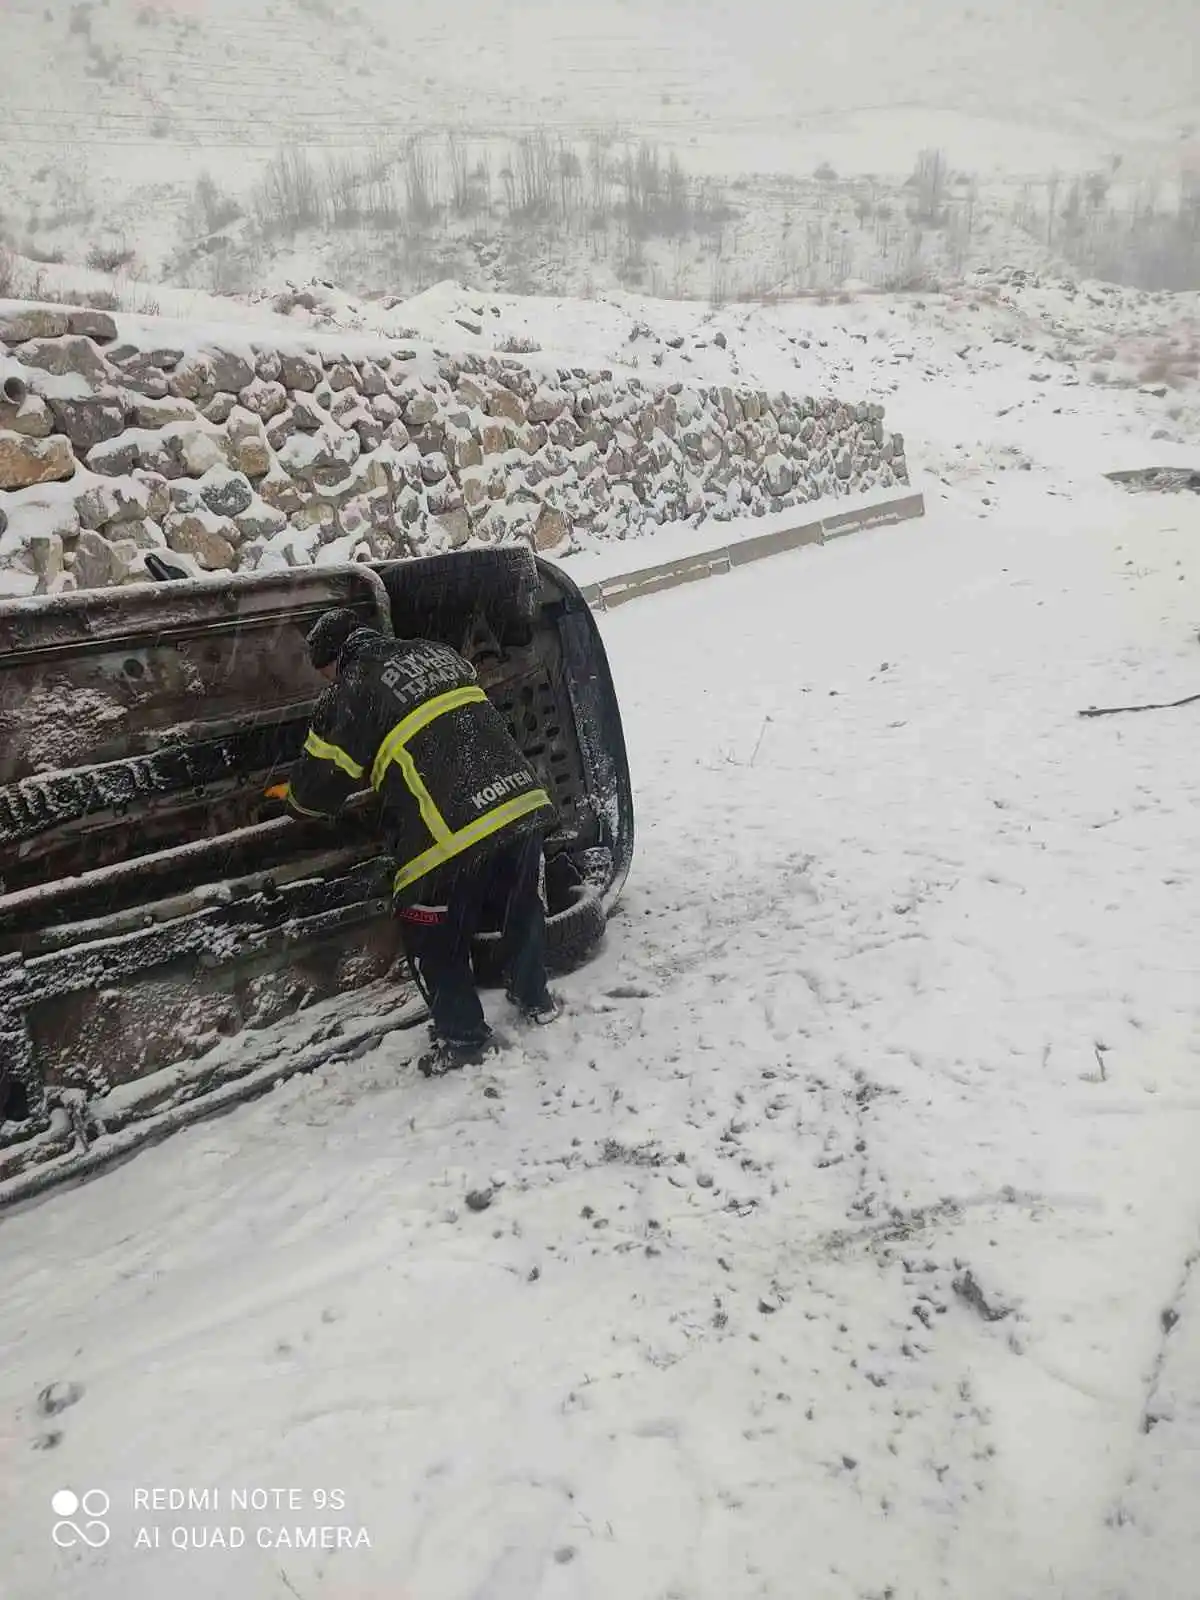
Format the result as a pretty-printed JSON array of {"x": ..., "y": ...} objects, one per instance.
[
  {"x": 836, "y": 1232},
  {"x": 245, "y": 455}
]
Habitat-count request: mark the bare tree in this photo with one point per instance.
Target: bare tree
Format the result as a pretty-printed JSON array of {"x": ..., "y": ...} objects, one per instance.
[
  {"x": 570, "y": 180},
  {"x": 421, "y": 184},
  {"x": 460, "y": 185},
  {"x": 210, "y": 210},
  {"x": 1097, "y": 190},
  {"x": 381, "y": 202},
  {"x": 535, "y": 175},
  {"x": 509, "y": 179},
  {"x": 1072, "y": 211},
  {"x": 481, "y": 178},
  {"x": 1024, "y": 213},
  {"x": 676, "y": 197},
  {"x": 599, "y": 175},
  {"x": 929, "y": 181},
  {"x": 342, "y": 190},
  {"x": 290, "y": 195},
  {"x": 1053, "y": 184}
]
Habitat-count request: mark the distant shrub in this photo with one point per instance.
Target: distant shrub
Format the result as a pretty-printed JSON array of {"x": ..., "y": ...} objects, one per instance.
[
  {"x": 290, "y": 195},
  {"x": 289, "y": 300},
  {"x": 107, "y": 258},
  {"x": 48, "y": 257},
  {"x": 212, "y": 210},
  {"x": 928, "y": 180},
  {"x": 100, "y": 65}
]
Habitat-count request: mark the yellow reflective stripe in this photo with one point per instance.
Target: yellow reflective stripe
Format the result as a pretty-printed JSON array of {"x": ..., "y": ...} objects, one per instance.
[
  {"x": 418, "y": 719},
  {"x": 324, "y": 751},
  {"x": 455, "y": 843},
  {"x": 430, "y": 815},
  {"x": 303, "y": 810}
]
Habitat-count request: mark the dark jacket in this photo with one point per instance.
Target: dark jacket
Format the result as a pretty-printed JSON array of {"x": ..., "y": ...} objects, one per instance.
[{"x": 407, "y": 717}]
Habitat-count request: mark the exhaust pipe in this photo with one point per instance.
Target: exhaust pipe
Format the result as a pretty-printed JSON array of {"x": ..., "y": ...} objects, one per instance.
[{"x": 14, "y": 390}]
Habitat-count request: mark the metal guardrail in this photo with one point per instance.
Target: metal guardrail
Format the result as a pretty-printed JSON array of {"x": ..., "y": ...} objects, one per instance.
[{"x": 610, "y": 592}]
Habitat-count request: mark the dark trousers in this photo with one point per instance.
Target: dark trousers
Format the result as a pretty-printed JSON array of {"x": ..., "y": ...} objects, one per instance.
[{"x": 438, "y": 929}]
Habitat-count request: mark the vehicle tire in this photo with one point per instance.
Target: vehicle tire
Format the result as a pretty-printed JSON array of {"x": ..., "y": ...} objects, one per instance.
[
  {"x": 14, "y": 1097},
  {"x": 571, "y": 937},
  {"x": 431, "y": 593}
]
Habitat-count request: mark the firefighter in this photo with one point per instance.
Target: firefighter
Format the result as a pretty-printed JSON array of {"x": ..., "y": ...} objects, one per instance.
[{"x": 462, "y": 810}]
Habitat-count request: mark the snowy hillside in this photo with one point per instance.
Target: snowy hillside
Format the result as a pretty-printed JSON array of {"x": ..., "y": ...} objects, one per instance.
[
  {"x": 782, "y": 92},
  {"x": 839, "y": 1241},
  {"x": 163, "y": 136}
]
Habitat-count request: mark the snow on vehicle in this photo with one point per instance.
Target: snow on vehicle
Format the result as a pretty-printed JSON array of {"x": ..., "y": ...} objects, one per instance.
[{"x": 161, "y": 920}]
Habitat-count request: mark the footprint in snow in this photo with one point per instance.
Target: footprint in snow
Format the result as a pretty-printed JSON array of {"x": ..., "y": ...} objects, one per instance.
[{"x": 56, "y": 1397}]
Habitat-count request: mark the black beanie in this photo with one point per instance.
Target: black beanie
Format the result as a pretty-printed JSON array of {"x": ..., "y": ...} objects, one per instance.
[{"x": 329, "y": 634}]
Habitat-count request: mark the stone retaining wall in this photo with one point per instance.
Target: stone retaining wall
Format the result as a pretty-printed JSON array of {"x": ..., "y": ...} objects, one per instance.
[{"x": 249, "y": 451}]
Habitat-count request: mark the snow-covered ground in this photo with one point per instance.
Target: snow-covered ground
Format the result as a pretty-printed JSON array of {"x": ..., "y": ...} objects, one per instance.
[{"x": 841, "y": 1234}]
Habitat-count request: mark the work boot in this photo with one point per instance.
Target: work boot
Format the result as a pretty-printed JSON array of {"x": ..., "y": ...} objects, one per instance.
[
  {"x": 547, "y": 1008},
  {"x": 450, "y": 1055}
]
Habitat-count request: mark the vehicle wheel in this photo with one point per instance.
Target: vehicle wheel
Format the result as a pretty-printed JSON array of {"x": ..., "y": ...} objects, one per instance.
[
  {"x": 571, "y": 937},
  {"x": 432, "y": 593}
]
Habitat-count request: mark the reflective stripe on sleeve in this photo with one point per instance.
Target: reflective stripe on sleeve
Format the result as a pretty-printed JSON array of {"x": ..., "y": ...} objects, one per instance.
[{"x": 324, "y": 751}]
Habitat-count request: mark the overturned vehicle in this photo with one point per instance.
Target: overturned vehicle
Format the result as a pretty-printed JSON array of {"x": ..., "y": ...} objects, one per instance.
[{"x": 170, "y": 942}]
